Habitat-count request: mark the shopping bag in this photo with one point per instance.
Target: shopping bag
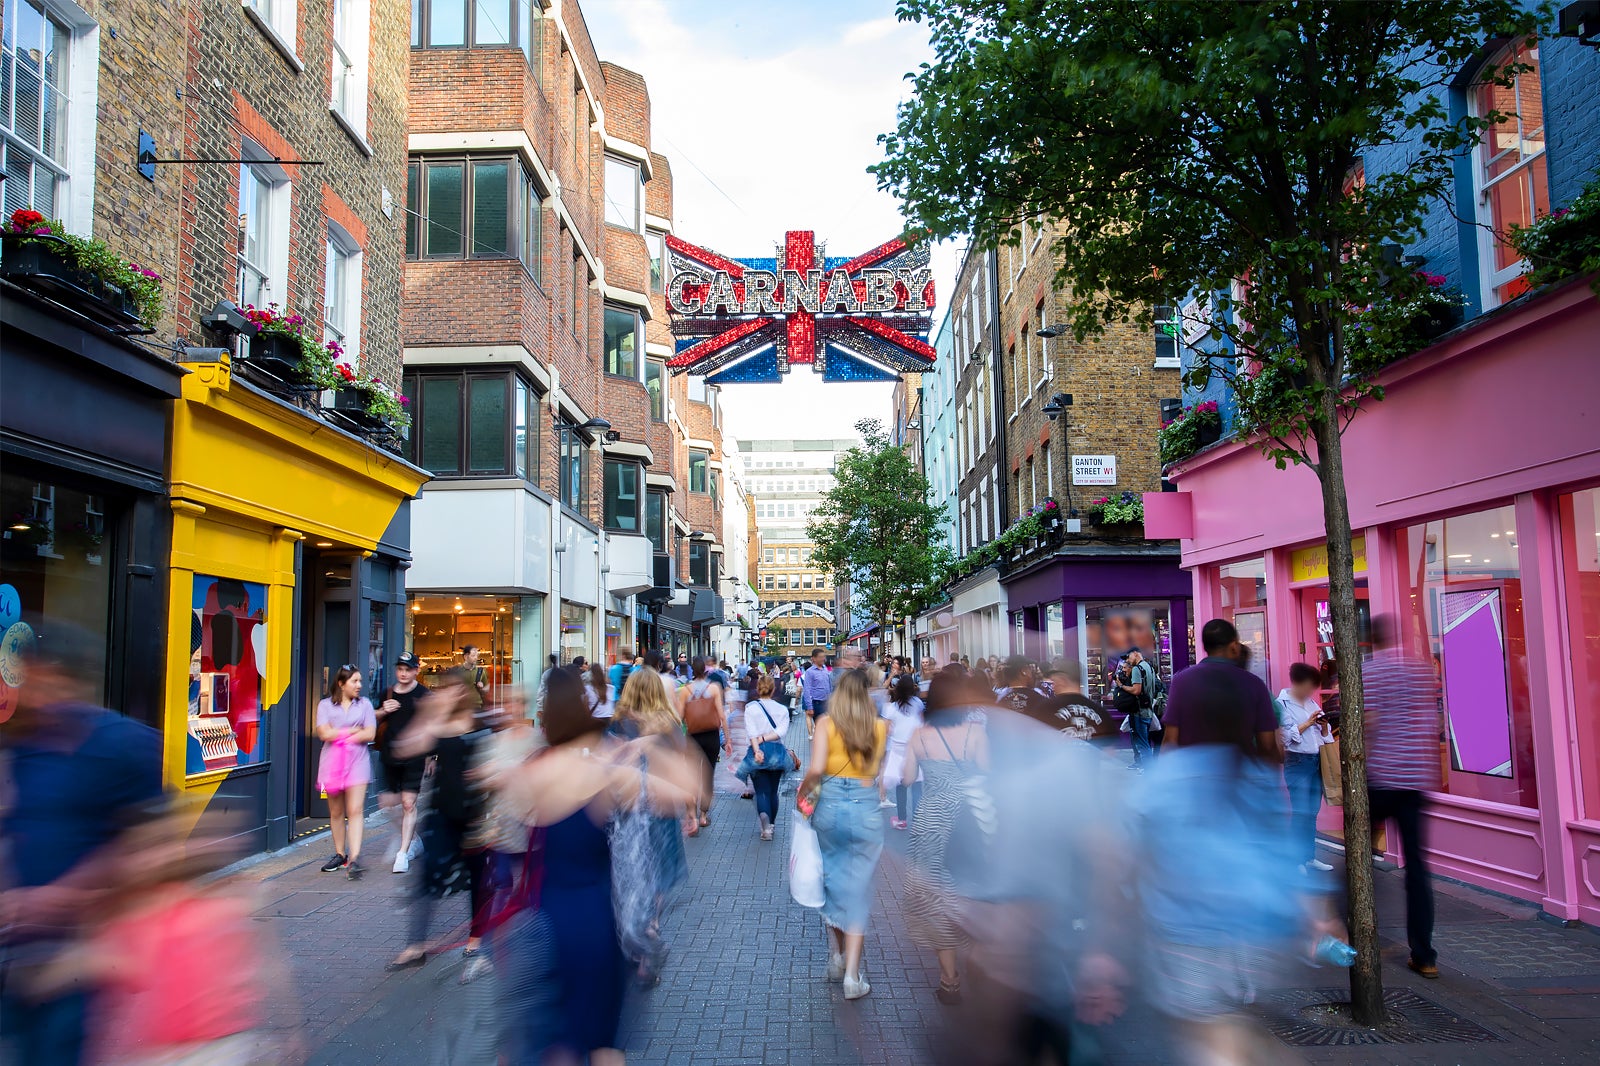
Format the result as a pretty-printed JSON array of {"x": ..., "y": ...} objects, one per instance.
[
  {"x": 1332, "y": 775},
  {"x": 805, "y": 864}
]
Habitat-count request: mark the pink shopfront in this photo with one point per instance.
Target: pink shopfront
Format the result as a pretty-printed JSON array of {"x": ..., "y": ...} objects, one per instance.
[{"x": 1474, "y": 493}]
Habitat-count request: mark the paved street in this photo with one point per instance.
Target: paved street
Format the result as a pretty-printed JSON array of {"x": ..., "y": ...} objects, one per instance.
[{"x": 1532, "y": 987}]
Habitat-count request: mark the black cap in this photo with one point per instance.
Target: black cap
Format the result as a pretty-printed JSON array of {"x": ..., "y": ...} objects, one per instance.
[{"x": 407, "y": 659}]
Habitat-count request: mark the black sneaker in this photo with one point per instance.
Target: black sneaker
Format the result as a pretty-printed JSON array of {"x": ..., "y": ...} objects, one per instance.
[
  {"x": 353, "y": 870},
  {"x": 334, "y": 863}
]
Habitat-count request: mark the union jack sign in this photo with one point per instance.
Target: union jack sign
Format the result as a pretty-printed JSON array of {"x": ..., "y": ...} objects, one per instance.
[{"x": 745, "y": 320}]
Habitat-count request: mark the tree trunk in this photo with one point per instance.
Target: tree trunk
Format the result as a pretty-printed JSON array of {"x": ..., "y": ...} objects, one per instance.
[{"x": 1366, "y": 976}]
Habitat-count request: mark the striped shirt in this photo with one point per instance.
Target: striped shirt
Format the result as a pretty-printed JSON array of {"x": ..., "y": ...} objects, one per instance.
[{"x": 1402, "y": 722}]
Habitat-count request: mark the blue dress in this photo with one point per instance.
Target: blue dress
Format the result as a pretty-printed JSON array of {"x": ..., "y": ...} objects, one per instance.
[{"x": 576, "y": 897}]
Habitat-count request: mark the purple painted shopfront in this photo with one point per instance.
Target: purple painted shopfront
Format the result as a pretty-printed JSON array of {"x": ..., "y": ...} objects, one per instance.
[
  {"x": 1093, "y": 604},
  {"x": 1474, "y": 493}
]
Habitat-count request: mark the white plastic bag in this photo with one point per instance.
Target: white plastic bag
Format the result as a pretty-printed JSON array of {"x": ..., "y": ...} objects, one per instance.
[{"x": 805, "y": 863}]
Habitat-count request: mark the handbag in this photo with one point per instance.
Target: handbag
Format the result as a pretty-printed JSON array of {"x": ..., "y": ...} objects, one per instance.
[
  {"x": 700, "y": 712},
  {"x": 1332, "y": 775},
  {"x": 805, "y": 864},
  {"x": 776, "y": 755}
]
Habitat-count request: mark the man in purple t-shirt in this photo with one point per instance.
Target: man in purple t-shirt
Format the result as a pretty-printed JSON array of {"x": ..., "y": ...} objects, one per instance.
[{"x": 1218, "y": 701}]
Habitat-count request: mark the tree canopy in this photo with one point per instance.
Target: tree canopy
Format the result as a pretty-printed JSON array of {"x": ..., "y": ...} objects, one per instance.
[{"x": 876, "y": 529}]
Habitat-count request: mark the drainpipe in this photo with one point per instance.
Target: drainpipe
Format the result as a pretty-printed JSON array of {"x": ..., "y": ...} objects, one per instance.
[{"x": 1002, "y": 461}]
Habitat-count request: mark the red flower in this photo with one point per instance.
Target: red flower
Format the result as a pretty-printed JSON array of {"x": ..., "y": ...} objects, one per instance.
[
  {"x": 25, "y": 220},
  {"x": 346, "y": 373}
]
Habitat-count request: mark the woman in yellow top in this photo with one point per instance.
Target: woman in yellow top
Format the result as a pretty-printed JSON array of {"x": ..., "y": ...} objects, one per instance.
[{"x": 845, "y": 755}]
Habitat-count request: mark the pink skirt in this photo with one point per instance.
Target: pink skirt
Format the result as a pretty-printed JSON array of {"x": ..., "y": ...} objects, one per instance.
[{"x": 344, "y": 763}]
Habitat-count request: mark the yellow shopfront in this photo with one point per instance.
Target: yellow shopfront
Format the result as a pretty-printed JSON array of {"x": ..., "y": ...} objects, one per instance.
[{"x": 289, "y": 544}]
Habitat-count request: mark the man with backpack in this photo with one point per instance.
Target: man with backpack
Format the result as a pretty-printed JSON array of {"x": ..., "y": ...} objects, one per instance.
[
  {"x": 1139, "y": 695},
  {"x": 618, "y": 674}
]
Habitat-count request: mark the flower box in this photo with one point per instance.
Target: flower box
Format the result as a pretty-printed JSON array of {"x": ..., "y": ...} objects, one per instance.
[
  {"x": 40, "y": 262},
  {"x": 351, "y": 401},
  {"x": 280, "y": 356}
]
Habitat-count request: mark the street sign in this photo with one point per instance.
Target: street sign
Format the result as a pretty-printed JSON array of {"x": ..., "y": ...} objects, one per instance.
[{"x": 1094, "y": 469}]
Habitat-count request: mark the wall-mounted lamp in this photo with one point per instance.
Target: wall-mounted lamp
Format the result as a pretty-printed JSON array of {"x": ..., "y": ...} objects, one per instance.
[
  {"x": 1057, "y": 404},
  {"x": 596, "y": 425},
  {"x": 1580, "y": 20},
  {"x": 1050, "y": 332}
]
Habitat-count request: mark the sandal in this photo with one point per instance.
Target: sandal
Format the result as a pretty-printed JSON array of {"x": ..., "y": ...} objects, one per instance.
[
  {"x": 407, "y": 964},
  {"x": 705, "y": 820},
  {"x": 949, "y": 995}
]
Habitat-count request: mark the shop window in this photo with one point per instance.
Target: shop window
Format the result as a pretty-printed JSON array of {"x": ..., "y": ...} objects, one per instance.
[
  {"x": 699, "y": 468},
  {"x": 622, "y": 496},
  {"x": 1462, "y": 597},
  {"x": 1509, "y": 168},
  {"x": 656, "y": 521},
  {"x": 1109, "y": 629},
  {"x": 1054, "y": 636},
  {"x": 227, "y": 648},
  {"x": 622, "y": 342},
  {"x": 1242, "y": 600},
  {"x": 655, "y": 383},
  {"x": 574, "y": 470},
  {"x": 54, "y": 550},
  {"x": 506, "y": 631},
  {"x": 1580, "y": 549}
]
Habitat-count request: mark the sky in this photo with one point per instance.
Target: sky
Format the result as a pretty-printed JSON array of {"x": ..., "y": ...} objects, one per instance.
[{"x": 769, "y": 112}]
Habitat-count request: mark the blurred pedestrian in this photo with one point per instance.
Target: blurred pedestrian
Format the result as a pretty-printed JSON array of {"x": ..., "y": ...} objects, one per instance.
[
  {"x": 950, "y": 753},
  {"x": 447, "y": 729},
  {"x": 597, "y": 691},
  {"x": 816, "y": 688},
  {"x": 76, "y": 773},
  {"x": 1402, "y": 742},
  {"x": 1304, "y": 731},
  {"x": 846, "y": 753},
  {"x": 401, "y": 778},
  {"x": 904, "y": 715},
  {"x": 346, "y": 723},
  {"x": 700, "y": 707},
  {"x": 1218, "y": 701},
  {"x": 1068, "y": 710}
]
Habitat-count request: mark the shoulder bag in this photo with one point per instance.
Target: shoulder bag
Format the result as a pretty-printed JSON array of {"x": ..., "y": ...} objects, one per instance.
[{"x": 700, "y": 711}]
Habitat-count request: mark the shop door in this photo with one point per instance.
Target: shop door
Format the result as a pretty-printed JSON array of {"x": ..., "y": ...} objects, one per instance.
[
  {"x": 1316, "y": 648},
  {"x": 330, "y": 643}
]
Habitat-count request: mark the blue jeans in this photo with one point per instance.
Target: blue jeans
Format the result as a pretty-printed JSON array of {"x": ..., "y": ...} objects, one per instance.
[
  {"x": 906, "y": 798},
  {"x": 765, "y": 783},
  {"x": 1141, "y": 737},
  {"x": 849, "y": 827},
  {"x": 52, "y": 1031},
  {"x": 1302, "y": 774}
]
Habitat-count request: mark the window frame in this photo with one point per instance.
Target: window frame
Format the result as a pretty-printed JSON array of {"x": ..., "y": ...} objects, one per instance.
[
  {"x": 524, "y": 211},
  {"x": 655, "y": 367},
  {"x": 633, "y": 165},
  {"x": 1532, "y": 167},
  {"x": 572, "y": 446},
  {"x": 525, "y": 34},
  {"x": 519, "y": 391},
  {"x": 656, "y": 499},
  {"x": 279, "y": 19},
  {"x": 352, "y": 20},
  {"x": 274, "y": 270},
  {"x": 610, "y": 516},
  {"x": 660, "y": 266},
  {"x": 636, "y": 373},
  {"x": 1171, "y": 320},
  {"x": 71, "y": 169},
  {"x": 704, "y": 554},
  {"x": 348, "y": 331},
  {"x": 705, "y": 471}
]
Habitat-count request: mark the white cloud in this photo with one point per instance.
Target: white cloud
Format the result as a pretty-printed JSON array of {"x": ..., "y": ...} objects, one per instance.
[{"x": 770, "y": 127}]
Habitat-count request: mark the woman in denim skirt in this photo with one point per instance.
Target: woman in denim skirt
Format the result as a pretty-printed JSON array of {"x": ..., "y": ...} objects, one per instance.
[{"x": 845, "y": 755}]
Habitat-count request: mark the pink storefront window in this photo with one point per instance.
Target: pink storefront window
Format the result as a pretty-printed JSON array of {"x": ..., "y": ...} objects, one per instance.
[
  {"x": 1242, "y": 600},
  {"x": 1580, "y": 549},
  {"x": 1462, "y": 611}
]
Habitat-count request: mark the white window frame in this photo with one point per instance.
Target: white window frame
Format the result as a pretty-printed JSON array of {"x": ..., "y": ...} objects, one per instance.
[
  {"x": 636, "y": 224},
  {"x": 1028, "y": 384},
  {"x": 1176, "y": 362},
  {"x": 1489, "y": 278},
  {"x": 342, "y": 322},
  {"x": 1046, "y": 370},
  {"x": 1017, "y": 379},
  {"x": 277, "y": 19},
  {"x": 274, "y": 244},
  {"x": 74, "y": 167},
  {"x": 349, "y": 67},
  {"x": 1049, "y": 471}
]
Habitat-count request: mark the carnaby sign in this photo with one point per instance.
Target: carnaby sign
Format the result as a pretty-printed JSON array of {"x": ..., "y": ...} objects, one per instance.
[{"x": 860, "y": 319}]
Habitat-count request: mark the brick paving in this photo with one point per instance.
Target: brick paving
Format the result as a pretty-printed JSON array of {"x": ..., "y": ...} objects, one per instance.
[{"x": 746, "y": 979}]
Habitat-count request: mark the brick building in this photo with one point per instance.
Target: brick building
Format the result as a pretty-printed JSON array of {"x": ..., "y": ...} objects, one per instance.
[
  {"x": 1091, "y": 592},
  {"x": 575, "y": 505},
  {"x": 787, "y": 479},
  {"x": 249, "y": 154}
]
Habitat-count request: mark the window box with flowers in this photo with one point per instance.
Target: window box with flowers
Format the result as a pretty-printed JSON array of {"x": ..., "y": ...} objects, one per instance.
[
  {"x": 285, "y": 347},
  {"x": 1123, "y": 510},
  {"x": 1563, "y": 244},
  {"x": 368, "y": 402},
  {"x": 1193, "y": 429},
  {"x": 1381, "y": 334},
  {"x": 83, "y": 273}
]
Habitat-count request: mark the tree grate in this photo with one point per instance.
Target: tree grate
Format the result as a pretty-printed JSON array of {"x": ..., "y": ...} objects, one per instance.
[{"x": 1320, "y": 1017}]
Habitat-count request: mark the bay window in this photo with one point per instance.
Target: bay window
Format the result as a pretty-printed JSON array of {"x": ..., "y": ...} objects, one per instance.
[
  {"x": 655, "y": 522},
  {"x": 655, "y": 383},
  {"x": 1508, "y": 168},
  {"x": 624, "y": 193},
  {"x": 658, "y": 260},
  {"x": 699, "y": 563},
  {"x": 699, "y": 464},
  {"x": 622, "y": 330},
  {"x": 475, "y": 208},
  {"x": 474, "y": 424},
  {"x": 622, "y": 495},
  {"x": 574, "y": 470},
  {"x": 477, "y": 24}
]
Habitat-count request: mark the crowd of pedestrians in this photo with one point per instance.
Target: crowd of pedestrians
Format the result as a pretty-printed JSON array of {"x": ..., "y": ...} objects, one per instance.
[{"x": 1061, "y": 855}]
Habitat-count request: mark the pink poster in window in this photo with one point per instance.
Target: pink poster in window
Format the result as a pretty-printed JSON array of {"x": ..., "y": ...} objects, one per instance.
[{"x": 1477, "y": 706}]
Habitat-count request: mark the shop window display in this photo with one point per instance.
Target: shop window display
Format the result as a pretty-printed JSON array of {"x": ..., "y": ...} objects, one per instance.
[
  {"x": 1242, "y": 600},
  {"x": 227, "y": 652},
  {"x": 1580, "y": 550},
  {"x": 1110, "y": 628},
  {"x": 443, "y": 626},
  {"x": 1462, "y": 595}
]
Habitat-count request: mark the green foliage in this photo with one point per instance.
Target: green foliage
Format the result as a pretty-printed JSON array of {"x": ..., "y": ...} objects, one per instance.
[
  {"x": 95, "y": 258},
  {"x": 1565, "y": 243},
  {"x": 1217, "y": 143},
  {"x": 1182, "y": 437},
  {"x": 876, "y": 529},
  {"x": 1116, "y": 510}
]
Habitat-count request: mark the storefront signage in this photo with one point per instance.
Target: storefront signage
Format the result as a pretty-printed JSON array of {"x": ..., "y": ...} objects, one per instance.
[
  {"x": 1197, "y": 319},
  {"x": 1311, "y": 564},
  {"x": 1094, "y": 469},
  {"x": 747, "y": 320}
]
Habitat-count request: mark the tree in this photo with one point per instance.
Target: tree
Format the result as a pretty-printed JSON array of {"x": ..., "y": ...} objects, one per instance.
[
  {"x": 777, "y": 638},
  {"x": 876, "y": 529},
  {"x": 1192, "y": 147}
]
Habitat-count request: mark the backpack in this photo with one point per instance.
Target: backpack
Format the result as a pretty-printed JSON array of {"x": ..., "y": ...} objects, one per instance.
[{"x": 969, "y": 851}]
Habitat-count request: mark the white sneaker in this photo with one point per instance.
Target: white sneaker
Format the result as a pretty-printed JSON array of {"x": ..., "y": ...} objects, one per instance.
[
  {"x": 836, "y": 968},
  {"x": 855, "y": 988},
  {"x": 886, "y": 805},
  {"x": 402, "y": 862},
  {"x": 1316, "y": 864}
]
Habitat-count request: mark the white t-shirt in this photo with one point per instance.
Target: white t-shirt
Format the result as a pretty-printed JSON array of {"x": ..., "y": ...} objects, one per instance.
[
  {"x": 1293, "y": 712},
  {"x": 756, "y": 724}
]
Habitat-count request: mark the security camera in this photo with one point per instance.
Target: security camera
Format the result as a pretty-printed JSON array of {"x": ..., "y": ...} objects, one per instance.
[{"x": 227, "y": 319}]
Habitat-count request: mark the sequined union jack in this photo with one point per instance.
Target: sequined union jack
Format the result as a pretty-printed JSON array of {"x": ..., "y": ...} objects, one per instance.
[{"x": 750, "y": 320}]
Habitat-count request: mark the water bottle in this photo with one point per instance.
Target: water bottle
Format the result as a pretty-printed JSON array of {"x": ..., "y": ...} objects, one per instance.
[{"x": 1335, "y": 951}]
